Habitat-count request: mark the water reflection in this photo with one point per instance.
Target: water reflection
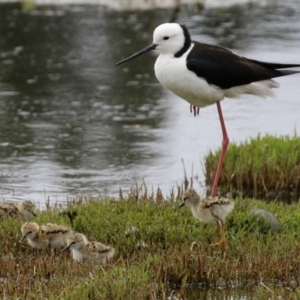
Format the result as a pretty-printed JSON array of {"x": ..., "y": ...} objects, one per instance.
[{"x": 70, "y": 123}]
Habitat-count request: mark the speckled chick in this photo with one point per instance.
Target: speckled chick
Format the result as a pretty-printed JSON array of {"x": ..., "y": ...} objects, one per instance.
[
  {"x": 23, "y": 211},
  {"x": 90, "y": 253},
  {"x": 7, "y": 210},
  {"x": 26, "y": 210},
  {"x": 49, "y": 236},
  {"x": 211, "y": 209}
]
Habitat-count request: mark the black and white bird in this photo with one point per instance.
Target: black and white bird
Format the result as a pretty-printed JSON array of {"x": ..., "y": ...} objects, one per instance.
[{"x": 205, "y": 74}]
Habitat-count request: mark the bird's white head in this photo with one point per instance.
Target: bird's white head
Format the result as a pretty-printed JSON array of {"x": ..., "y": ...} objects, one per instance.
[{"x": 170, "y": 38}]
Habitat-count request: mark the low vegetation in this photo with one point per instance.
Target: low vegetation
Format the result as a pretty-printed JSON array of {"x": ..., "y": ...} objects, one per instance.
[
  {"x": 263, "y": 167},
  {"x": 153, "y": 257}
]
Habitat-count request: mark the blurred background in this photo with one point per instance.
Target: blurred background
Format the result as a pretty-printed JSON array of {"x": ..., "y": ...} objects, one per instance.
[{"x": 72, "y": 124}]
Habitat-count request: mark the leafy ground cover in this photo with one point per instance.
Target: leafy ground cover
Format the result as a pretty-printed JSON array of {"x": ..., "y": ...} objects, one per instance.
[{"x": 153, "y": 257}]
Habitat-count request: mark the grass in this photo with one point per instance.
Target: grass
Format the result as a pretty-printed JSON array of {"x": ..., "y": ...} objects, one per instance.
[
  {"x": 265, "y": 167},
  {"x": 156, "y": 261}
]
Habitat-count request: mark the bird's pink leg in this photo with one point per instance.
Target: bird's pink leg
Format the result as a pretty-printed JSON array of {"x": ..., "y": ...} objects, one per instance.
[
  {"x": 225, "y": 143},
  {"x": 195, "y": 110},
  {"x": 221, "y": 227}
]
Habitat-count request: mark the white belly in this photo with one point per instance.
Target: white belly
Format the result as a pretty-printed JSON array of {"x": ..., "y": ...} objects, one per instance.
[{"x": 173, "y": 74}]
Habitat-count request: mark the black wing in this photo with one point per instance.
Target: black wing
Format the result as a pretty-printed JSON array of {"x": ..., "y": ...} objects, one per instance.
[{"x": 225, "y": 69}]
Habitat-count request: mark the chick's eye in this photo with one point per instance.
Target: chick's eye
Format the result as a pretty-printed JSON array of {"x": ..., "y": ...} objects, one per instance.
[{"x": 166, "y": 38}]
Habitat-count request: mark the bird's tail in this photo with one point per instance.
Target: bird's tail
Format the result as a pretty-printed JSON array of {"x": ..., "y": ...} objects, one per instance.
[{"x": 261, "y": 89}]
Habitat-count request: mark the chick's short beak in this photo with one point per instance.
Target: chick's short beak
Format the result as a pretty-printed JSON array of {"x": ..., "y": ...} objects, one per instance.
[
  {"x": 22, "y": 238},
  {"x": 181, "y": 205},
  {"x": 66, "y": 248}
]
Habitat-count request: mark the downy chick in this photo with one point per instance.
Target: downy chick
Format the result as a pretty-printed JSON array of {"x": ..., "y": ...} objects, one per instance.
[
  {"x": 87, "y": 252},
  {"x": 49, "y": 236},
  {"x": 211, "y": 209}
]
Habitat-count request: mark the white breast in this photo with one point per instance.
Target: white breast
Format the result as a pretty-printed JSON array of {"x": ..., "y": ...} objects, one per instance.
[
  {"x": 38, "y": 243},
  {"x": 173, "y": 74},
  {"x": 77, "y": 255}
]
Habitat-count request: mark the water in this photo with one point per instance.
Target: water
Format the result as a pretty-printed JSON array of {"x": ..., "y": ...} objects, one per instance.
[{"x": 71, "y": 123}]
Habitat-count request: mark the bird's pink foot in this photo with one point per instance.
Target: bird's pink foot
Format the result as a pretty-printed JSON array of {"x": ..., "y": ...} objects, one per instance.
[
  {"x": 195, "y": 110},
  {"x": 221, "y": 243}
]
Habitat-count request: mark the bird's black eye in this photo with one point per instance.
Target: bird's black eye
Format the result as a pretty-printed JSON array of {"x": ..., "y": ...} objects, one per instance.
[{"x": 166, "y": 38}]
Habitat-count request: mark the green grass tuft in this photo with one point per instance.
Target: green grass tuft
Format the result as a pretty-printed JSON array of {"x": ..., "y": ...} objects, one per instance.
[{"x": 265, "y": 167}]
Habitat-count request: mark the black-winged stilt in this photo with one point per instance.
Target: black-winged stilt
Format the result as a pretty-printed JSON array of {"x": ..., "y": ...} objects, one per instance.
[{"x": 205, "y": 74}]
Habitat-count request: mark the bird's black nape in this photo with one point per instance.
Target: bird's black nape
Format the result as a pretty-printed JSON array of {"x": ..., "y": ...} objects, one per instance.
[{"x": 187, "y": 42}]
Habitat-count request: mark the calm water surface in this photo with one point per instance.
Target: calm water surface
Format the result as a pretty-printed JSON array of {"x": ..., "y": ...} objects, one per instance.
[{"x": 71, "y": 123}]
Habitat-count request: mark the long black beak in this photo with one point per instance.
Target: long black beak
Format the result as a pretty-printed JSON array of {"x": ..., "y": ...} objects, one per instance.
[{"x": 145, "y": 50}]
